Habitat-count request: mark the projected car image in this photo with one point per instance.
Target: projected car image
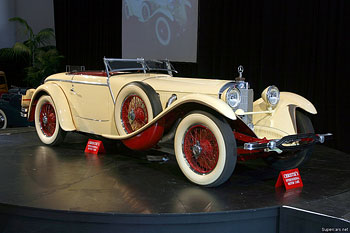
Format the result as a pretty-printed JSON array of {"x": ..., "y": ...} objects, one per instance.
[
  {"x": 210, "y": 124},
  {"x": 165, "y": 12}
]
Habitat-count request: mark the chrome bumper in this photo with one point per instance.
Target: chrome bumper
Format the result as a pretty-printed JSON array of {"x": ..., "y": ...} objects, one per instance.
[{"x": 292, "y": 140}]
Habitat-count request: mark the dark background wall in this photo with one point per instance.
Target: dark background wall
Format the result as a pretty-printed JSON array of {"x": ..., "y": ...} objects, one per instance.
[{"x": 299, "y": 46}]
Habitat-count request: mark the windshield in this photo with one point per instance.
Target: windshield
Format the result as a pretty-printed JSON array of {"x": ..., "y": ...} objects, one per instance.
[{"x": 114, "y": 65}]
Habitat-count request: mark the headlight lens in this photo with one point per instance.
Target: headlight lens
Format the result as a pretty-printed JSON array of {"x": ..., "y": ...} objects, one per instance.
[
  {"x": 233, "y": 97},
  {"x": 273, "y": 95}
]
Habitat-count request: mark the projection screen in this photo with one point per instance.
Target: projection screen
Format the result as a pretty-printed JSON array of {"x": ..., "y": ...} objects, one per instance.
[{"x": 160, "y": 29}]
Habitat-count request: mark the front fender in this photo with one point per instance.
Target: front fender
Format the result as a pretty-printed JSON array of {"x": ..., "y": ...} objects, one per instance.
[
  {"x": 216, "y": 104},
  {"x": 282, "y": 121},
  {"x": 292, "y": 99},
  {"x": 60, "y": 101},
  {"x": 213, "y": 103}
]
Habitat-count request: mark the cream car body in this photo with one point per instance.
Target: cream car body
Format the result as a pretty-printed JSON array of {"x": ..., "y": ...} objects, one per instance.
[
  {"x": 79, "y": 98},
  {"x": 143, "y": 106}
]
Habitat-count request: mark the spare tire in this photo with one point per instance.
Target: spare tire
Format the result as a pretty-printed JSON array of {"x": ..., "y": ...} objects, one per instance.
[{"x": 136, "y": 105}]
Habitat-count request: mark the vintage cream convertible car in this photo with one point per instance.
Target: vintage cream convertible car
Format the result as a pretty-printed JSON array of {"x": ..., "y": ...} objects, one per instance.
[{"x": 210, "y": 123}]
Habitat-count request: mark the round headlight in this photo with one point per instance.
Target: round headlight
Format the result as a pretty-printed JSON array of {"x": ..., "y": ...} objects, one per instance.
[
  {"x": 233, "y": 97},
  {"x": 272, "y": 95}
]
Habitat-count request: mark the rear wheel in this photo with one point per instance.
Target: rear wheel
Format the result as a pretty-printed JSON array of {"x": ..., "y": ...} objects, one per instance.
[
  {"x": 47, "y": 123},
  {"x": 290, "y": 160},
  {"x": 205, "y": 148},
  {"x": 3, "y": 120}
]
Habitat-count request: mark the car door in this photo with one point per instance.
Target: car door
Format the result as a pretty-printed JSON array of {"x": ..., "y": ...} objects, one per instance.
[{"x": 91, "y": 103}]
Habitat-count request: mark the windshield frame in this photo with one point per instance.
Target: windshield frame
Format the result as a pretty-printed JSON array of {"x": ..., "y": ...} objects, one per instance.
[{"x": 144, "y": 66}]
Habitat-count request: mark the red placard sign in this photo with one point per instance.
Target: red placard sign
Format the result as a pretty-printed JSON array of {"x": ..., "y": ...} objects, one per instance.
[
  {"x": 290, "y": 179},
  {"x": 94, "y": 147}
]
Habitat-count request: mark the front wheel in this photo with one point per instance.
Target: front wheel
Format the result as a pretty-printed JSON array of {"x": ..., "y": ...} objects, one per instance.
[
  {"x": 47, "y": 123},
  {"x": 293, "y": 159},
  {"x": 205, "y": 148}
]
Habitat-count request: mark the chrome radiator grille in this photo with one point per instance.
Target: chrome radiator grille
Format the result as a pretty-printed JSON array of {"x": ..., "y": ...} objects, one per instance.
[{"x": 247, "y": 98}]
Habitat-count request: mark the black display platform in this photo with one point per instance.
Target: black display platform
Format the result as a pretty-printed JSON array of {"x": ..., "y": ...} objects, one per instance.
[{"x": 44, "y": 182}]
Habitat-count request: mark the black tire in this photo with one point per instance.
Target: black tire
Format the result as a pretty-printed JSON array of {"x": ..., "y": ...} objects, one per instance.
[
  {"x": 290, "y": 160},
  {"x": 3, "y": 120},
  {"x": 47, "y": 123},
  {"x": 205, "y": 148},
  {"x": 137, "y": 104}
]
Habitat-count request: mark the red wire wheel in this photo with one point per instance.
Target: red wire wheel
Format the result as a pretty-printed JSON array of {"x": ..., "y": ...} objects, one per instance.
[
  {"x": 47, "y": 123},
  {"x": 47, "y": 119},
  {"x": 134, "y": 113},
  {"x": 201, "y": 149},
  {"x": 136, "y": 105},
  {"x": 205, "y": 148}
]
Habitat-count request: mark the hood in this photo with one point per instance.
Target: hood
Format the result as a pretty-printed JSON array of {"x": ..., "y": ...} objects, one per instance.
[{"x": 186, "y": 85}]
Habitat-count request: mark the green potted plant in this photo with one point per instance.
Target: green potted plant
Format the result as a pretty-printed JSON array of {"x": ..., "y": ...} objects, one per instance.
[{"x": 42, "y": 59}]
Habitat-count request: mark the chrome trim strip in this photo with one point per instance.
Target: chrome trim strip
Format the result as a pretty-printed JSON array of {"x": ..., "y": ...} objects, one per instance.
[
  {"x": 77, "y": 82},
  {"x": 84, "y": 118}
]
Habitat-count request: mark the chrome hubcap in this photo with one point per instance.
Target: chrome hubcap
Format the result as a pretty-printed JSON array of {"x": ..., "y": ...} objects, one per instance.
[
  {"x": 45, "y": 120},
  {"x": 131, "y": 115},
  {"x": 197, "y": 149}
]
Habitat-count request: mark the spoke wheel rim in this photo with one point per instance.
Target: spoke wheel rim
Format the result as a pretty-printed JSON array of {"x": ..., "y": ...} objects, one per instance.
[
  {"x": 47, "y": 119},
  {"x": 201, "y": 149},
  {"x": 134, "y": 113}
]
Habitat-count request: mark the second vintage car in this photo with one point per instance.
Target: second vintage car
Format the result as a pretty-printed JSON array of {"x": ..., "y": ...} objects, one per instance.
[
  {"x": 211, "y": 123},
  {"x": 10, "y": 109}
]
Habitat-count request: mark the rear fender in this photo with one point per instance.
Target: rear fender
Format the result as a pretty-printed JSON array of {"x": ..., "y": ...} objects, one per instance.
[{"x": 60, "y": 101}]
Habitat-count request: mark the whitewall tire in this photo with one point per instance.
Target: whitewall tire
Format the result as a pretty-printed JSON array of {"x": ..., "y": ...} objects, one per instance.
[
  {"x": 47, "y": 123},
  {"x": 136, "y": 105},
  {"x": 205, "y": 148}
]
